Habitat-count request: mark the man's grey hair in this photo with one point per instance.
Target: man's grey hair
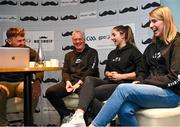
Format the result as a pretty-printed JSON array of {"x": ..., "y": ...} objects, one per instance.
[{"x": 78, "y": 31}]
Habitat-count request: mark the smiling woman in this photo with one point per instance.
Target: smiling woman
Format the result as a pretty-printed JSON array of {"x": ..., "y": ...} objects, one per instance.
[
  {"x": 162, "y": 24},
  {"x": 158, "y": 75}
]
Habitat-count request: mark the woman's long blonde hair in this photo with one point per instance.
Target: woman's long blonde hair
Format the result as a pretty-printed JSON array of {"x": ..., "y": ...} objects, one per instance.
[{"x": 164, "y": 14}]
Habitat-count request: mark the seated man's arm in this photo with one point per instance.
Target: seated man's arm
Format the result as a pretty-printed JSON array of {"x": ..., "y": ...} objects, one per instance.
[
  {"x": 93, "y": 61},
  {"x": 66, "y": 70}
]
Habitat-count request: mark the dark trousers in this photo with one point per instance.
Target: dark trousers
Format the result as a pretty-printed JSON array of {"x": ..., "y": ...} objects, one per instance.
[
  {"x": 93, "y": 92},
  {"x": 55, "y": 95}
]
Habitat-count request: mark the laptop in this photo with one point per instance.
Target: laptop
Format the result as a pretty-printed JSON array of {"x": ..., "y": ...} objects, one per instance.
[{"x": 14, "y": 57}]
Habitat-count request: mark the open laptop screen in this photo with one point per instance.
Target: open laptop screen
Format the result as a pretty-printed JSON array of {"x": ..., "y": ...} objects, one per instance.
[{"x": 14, "y": 57}]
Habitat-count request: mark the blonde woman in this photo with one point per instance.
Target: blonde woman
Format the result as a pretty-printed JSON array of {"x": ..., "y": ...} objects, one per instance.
[{"x": 158, "y": 82}]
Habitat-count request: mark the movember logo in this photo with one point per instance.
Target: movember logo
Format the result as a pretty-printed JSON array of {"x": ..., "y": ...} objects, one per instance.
[
  {"x": 147, "y": 41},
  {"x": 51, "y": 3},
  {"x": 145, "y": 25},
  {"x": 69, "y": 47},
  {"x": 67, "y": 17},
  {"x": 87, "y": 1},
  {"x": 149, "y": 5},
  {"x": 105, "y": 13},
  {"x": 5, "y": 2},
  {"x": 67, "y": 33},
  {"x": 130, "y": 9},
  {"x": 29, "y": 18},
  {"x": 49, "y": 18},
  {"x": 28, "y": 3},
  {"x": 43, "y": 37},
  {"x": 103, "y": 62}
]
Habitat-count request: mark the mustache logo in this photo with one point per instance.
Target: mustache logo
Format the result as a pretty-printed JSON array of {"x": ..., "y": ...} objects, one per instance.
[
  {"x": 52, "y": 125},
  {"x": 103, "y": 62},
  {"x": 130, "y": 9},
  {"x": 37, "y": 110},
  {"x": 28, "y": 3},
  {"x": 149, "y": 5},
  {"x": 67, "y": 34},
  {"x": 51, "y": 3},
  {"x": 28, "y": 18},
  {"x": 50, "y": 80},
  {"x": 5, "y": 2},
  {"x": 68, "y": 48},
  {"x": 43, "y": 37},
  {"x": 86, "y": 1},
  {"x": 145, "y": 25},
  {"x": 105, "y": 13},
  {"x": 147, "y": 41},
  {"x": 48, "y": 18},
  {"x": 69, "y": 17}
]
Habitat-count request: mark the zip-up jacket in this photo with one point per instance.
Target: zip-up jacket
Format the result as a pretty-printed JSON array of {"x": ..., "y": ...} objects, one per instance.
[
  {"x": 78, "y": 65},
  {"x": 124, "y": 60},
  {"x": 161, "y": 65}
]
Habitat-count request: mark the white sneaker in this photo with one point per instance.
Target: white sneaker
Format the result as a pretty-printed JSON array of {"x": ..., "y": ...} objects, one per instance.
[
  {"x": 76, "y": 121},
  {"x": 67, "y": 119}
]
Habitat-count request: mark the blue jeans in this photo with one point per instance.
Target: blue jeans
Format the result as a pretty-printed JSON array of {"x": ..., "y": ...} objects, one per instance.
[{"x": 128, "y": 98}]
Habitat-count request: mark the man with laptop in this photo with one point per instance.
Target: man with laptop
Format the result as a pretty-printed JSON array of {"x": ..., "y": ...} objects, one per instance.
[{"x": 11, "y": 84}]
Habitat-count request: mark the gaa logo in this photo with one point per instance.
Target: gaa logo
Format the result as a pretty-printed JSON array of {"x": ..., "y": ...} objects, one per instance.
[{"x": 91, "y": 38}]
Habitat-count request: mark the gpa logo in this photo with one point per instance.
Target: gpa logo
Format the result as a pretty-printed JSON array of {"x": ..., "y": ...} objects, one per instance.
[
  {"x": 91, "y": 38},
  {"x": 104, "y": 37}
]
